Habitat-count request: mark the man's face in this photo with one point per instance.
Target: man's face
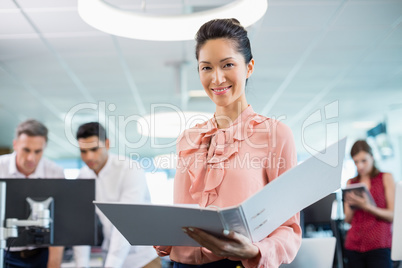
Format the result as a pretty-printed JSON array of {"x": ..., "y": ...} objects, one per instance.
[
  {"x": 29, "y": 150},
  {"x": 94, "y": 152}
]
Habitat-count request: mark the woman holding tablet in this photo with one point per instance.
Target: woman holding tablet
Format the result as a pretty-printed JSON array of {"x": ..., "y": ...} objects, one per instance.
[{"x": 368, "y": 241}]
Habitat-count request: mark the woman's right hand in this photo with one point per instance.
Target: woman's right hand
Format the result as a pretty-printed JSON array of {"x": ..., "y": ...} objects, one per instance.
[
  {"x": 233, "y": 246},
  {"x": 163, "y": 251},
  {"x": 357, "y": 201}
]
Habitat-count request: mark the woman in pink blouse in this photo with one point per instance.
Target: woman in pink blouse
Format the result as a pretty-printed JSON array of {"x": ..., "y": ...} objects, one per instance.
[{"x": 230, "y": 157}]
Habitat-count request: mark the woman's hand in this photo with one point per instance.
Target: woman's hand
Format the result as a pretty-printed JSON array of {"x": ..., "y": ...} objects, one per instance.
[
  {"x": 163, "y": 250},
  {"x": 357, "y": 201},
  {"x": 233, "y": 246}
]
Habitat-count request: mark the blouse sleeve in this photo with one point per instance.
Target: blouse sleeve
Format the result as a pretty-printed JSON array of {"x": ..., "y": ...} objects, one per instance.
[{"x": 280, "y": 246}]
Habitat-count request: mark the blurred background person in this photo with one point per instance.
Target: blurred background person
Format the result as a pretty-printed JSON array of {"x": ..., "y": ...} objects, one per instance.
[
  {"x": 27, "y": 161},
  {"x": 368, "y": 241},
  {"x": 117, "y": 180}
]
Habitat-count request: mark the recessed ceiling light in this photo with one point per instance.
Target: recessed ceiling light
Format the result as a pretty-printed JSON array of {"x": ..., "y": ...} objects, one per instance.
[
  {"x": 364, "y": 124},
  {"x": 113, "y": 20}
]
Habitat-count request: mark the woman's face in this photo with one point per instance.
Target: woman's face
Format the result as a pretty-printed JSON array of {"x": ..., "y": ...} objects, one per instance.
[
  {"x": 364, "y": 163},
  {"x": 223, "y": 72}
]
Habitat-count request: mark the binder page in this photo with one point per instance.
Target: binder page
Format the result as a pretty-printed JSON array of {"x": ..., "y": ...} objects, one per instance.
[
  {"x": 294, "y": 190},
  {"x": 233, "y": 220}
]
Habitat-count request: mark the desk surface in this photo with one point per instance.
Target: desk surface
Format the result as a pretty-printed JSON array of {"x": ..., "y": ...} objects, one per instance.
[{"x": 314, "y": 253}]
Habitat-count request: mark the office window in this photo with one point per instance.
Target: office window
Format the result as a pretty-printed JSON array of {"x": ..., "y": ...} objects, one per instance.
[{"x": 160, "y": 187}]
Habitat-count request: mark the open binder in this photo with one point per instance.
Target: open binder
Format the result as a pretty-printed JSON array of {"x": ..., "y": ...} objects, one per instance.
[{"x": 256, "y": 217}]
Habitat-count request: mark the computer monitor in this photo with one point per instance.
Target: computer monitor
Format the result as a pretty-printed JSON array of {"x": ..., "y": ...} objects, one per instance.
[
  {"x": 320, "y": 212},
  {"x": 73, "y": 211},
  {"x": 396, "y": 250}
]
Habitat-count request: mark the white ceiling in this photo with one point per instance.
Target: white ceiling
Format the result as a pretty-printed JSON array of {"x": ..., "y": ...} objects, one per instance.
[{"x": 346, "y": 55}]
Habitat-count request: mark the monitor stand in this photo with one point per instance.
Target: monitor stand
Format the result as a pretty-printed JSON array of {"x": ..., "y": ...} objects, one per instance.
[{"x": 39, "y": 223}]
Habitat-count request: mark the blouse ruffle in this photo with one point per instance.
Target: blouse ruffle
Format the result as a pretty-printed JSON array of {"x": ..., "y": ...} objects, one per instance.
[{"x": 205, "y": 150}]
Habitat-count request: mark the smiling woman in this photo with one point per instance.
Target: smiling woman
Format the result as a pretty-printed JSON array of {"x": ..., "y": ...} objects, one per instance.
[{"x": 207, "y": 172}]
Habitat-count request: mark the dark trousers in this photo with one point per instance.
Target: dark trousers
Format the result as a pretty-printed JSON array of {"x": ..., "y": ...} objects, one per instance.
[
  {"x": 36, "y": 258},
  {"x": 378, "y": 258},
  {"x": 217, "y": 264}
]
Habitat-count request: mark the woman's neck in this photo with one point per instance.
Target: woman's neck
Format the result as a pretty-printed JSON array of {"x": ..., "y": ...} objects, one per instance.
[
  {"x": 225, "y": 116},
  {"x": 365, "y": 177}
]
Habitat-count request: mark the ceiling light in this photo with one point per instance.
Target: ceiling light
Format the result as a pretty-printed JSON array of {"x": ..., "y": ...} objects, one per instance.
[
  {"x": 364, "y": 124},
  {"x": 113, "y": 20}
]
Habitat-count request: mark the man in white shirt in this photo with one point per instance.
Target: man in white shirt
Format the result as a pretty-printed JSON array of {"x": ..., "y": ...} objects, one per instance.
[
  {"x": 27, "y": 161},
  {"x": 117, "y": 180}
]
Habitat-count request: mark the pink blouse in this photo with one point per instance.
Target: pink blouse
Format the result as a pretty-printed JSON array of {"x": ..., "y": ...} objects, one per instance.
[{"x": 223, "y": 167}]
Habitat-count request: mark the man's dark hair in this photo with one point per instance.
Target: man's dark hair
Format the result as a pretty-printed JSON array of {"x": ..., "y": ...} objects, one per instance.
[
  {"x": 32, "y": 128},
  {"x": 92, "y": 129}
]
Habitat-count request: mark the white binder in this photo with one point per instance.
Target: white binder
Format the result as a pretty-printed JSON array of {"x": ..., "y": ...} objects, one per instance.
[{"x": 256, "y": 217}]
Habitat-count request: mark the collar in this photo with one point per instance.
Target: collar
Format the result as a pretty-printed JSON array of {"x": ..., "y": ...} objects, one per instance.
[
  {"x": 212, "y": 126},
  {"x": 106, "y": 167},
  {"x": 199, "y": 136},
  {"x": 13, "y": 164}
]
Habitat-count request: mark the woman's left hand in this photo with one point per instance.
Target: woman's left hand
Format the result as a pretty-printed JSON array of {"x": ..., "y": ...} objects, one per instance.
[
  {"x": 233, "y": 246},
  {"x": 355, "y": 200}
]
